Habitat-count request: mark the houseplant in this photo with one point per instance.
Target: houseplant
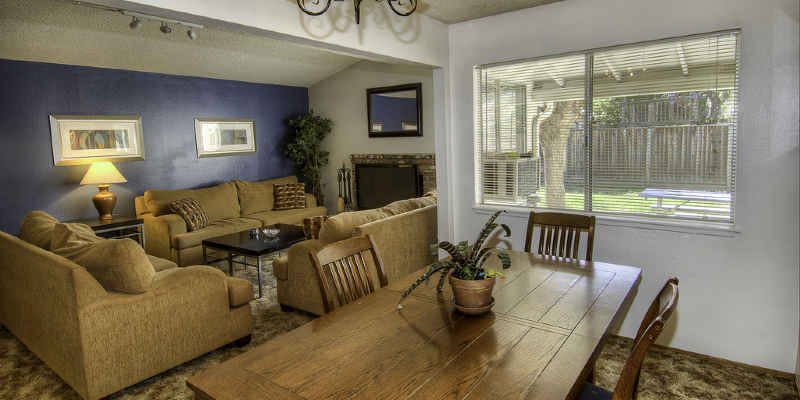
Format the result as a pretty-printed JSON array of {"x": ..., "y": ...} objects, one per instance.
[
  {"x": 304, "y": 149},
  {"x": 465, "y": 268}
]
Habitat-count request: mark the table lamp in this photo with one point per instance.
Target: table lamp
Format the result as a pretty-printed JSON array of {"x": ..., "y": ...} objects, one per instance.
[{"x": 103, "y": 173}]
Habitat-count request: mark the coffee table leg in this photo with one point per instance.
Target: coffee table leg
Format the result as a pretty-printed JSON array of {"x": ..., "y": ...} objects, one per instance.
[
  {"x": 230, "y": 264},
  {"x": 260, "y": 284}
]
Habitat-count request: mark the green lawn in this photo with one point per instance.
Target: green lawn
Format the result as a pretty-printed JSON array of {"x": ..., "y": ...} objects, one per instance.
[{"x": 628, "y": 202}]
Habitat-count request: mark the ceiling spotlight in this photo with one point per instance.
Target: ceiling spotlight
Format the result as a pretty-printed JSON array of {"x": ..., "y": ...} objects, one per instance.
[
  {"x": 165, "y": 28},
  {"x": 191, "y": 34},
  {"x": 135, "y": 24}
]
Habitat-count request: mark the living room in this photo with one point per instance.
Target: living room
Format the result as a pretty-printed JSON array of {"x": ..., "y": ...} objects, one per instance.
[{"x": 741, "y": 287}]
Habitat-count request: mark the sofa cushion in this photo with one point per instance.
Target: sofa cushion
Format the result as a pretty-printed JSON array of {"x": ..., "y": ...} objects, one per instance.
[
  {"x": 37, "y": 228},
  {"x": 312, "y": 225},
  {"x": 214, "y": 229},
  {"x": 160, "y": 264},
  {"x": 191, "y": 212},
  {"x": 258, "y": 196},
  {"x": 218, "y": 202},
  {"x": 117, "y": 264},
  {"x": 289, "y": 196}
]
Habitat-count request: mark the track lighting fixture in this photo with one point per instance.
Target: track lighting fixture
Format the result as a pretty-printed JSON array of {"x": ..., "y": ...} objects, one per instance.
[
  {"x": 138, "y": 17},
  {"x": 135, "y": 24}
]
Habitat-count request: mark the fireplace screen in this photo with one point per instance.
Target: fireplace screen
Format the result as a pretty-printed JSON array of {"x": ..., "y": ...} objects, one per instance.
[{"x": 380, "y": 184}]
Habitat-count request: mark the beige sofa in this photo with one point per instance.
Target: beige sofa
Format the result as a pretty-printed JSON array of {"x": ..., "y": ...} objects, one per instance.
[
  {"x": 403, "y": 232},
  {"x": 230, "y": 207},
  {"x": 99, "y": 340}
]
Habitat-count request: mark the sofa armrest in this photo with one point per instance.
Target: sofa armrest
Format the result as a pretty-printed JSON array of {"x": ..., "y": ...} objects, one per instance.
[
  {"x": 311, "y": 201},
  {"x": 158, "y": 232},
  {"x": 185, "y": 313},
  {"x": 240, "y": 292}
]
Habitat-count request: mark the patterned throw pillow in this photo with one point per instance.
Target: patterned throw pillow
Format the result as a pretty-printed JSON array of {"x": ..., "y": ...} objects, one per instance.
[
  {"x": 312, "y": 225},
  {"x": 191, "y": 212},
  {"x": 289, "y": 196}
]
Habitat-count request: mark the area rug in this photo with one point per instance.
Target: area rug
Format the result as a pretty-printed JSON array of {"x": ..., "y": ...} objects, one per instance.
[{"x": 666, "y": 374}]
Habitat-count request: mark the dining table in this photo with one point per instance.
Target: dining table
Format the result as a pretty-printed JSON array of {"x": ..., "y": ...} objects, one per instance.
[{"x": 550, "y": 319}]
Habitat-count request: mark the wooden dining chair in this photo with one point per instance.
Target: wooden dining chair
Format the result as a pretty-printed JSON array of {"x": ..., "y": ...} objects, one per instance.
[
  {"x": 342, "y": 267},
  {"x": 651, "y": 327},
  {"x": 560, "y": 234}
]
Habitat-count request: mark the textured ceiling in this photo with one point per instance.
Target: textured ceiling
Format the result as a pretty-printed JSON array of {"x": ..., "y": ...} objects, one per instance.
[
  {"x": 67, "y": 32},
  {"x": 454, "y": 11}
]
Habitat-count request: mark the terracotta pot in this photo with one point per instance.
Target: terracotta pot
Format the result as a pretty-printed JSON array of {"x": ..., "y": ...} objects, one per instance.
[{"x": 474, "y": 294}]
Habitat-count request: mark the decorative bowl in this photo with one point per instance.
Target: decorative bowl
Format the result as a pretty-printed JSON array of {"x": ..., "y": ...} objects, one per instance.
[{"x": 271, "y": 233}]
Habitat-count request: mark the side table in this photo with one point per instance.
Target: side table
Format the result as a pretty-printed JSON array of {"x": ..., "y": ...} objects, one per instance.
[{"x": 122, "y": 226}]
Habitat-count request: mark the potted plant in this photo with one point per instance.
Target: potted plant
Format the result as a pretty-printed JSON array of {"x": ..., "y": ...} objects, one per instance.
[
  {"x": 472, "y": 284},
  {"x": 304, "y": 150}
]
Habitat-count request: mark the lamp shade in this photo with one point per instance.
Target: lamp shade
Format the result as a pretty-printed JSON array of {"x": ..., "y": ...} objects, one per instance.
[{"x": 102, "y": 172}]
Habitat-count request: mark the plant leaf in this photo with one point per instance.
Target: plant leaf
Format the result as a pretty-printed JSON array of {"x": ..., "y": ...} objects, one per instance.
[
  {"x": 486, "y": 231},
  {"x": 424, "y": 277}
]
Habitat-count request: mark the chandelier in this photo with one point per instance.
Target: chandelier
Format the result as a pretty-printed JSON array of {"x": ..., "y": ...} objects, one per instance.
[{"x": 402, "y": 8}]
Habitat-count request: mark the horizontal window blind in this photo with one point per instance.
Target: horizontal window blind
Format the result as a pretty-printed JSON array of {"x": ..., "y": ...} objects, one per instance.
[{"x": 644, "y": 130}]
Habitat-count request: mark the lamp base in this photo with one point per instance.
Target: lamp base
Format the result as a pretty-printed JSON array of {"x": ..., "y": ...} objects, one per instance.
[{"x": 104, "y": 202}]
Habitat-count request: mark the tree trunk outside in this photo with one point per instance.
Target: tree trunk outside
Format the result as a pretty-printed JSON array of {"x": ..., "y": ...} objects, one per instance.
[{"x": 553, "y": 134}]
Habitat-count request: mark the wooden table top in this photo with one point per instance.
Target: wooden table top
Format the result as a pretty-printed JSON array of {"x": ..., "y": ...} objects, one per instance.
[{"x": 550, "y": 320}]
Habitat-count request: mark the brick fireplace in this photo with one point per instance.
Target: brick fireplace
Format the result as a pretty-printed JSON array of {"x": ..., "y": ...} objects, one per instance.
[{"x": 423, "y": 164}]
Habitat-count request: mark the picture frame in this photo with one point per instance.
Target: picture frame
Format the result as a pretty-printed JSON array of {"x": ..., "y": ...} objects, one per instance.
[
  {"x": 217, "y": 137},
  {"x": 85, "y": 139}
]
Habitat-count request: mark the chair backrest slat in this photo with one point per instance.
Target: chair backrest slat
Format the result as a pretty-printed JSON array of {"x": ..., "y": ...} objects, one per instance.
[
  {"x": 560, "y": 234},
  {"x": 341, "y": 266}
]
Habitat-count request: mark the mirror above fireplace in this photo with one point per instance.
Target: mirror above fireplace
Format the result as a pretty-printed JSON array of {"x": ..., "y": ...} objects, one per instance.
[{"x": 395, "y": 110}]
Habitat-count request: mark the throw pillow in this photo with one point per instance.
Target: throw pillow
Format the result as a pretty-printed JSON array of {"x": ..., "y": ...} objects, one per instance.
[
  {"x": 117, "y": 264},
  {"x": 289, "y": 196},
  {"x": 312, "y": 225},
  {"x": 37, "y": 228},
  {"x": 191, "y": 212}
]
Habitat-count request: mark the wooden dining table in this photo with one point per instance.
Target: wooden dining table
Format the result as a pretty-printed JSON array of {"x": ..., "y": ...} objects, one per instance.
[{"x": 548, "y": 325}]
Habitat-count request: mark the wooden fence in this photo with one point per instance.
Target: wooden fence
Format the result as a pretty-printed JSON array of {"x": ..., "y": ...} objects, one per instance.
[{"x": 679, "y": 157}]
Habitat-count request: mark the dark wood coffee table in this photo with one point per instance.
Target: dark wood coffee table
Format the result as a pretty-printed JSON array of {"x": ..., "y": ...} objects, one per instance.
[{"x": 243, "y": 244}]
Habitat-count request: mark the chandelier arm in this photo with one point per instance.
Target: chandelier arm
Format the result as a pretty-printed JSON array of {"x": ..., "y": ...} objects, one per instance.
[
  {"x": 357, "y": 8},
  {"x": 411, "y": 11},
  {"x": 300, "y": 4}
]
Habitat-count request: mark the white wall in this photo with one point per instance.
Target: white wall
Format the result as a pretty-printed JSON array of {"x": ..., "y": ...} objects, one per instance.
[
  {"x": 343, "y": 98},
  {"x": 739, "y": 293}
]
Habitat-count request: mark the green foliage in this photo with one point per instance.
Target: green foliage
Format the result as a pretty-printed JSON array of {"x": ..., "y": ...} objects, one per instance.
[
  {"x": 466, "y": 261},
  {"x": 304, "y": 150}
]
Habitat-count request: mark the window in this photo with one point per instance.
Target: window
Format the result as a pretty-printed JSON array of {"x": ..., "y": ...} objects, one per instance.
[{"x": 645, "y": 130}]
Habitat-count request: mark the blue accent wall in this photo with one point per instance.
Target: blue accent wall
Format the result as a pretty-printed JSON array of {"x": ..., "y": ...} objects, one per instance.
[{"x": 168, "y": 104}]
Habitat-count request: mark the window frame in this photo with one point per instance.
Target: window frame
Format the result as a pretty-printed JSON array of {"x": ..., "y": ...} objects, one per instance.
[{"x": 629, "y": 219}]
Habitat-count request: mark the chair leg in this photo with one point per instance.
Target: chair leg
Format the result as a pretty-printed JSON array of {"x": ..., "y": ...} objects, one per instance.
[{"x": 243, "y": 341}]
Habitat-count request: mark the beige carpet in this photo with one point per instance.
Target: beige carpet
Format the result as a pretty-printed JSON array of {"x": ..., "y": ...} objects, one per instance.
[{"x": 666, "y": 374}]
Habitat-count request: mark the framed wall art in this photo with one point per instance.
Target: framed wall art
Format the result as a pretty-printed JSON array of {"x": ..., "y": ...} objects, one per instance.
[
  {"x": 224, "y": 137},
  {"x": 84, "y": 139}
]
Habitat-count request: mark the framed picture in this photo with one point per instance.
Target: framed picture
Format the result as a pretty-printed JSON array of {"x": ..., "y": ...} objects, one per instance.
[
  {"x": 224, "y": 137},
  {"x": 84, "y": 139}
]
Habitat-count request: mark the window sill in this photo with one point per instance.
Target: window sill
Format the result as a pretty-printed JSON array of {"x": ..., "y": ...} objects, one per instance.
[{"x": 660, "y": 224}]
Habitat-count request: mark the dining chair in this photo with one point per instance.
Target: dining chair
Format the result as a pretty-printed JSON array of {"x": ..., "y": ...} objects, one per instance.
[
  {"x": 560, "y": 234},
  {"x": 342, "y": 267},
  {"x": 651, "y": 327}
]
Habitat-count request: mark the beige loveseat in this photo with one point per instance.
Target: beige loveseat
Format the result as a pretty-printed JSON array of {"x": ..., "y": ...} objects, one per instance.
[
  {"x": 403, "y": 232},
  {"x": 230, "y": 207},
  {"x": 100, "y": 340}
]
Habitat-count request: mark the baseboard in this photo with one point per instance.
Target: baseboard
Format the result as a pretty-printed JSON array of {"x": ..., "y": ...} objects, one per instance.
[{"x": 787, "y": 375}]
